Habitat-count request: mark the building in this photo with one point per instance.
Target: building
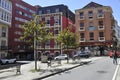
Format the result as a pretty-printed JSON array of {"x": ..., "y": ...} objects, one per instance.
[
  {"x": 94, "y": 24},
  {"x": 21, "y": 13},
  {"x": 5, "y": 24},
  {"x": 57, "y": 18},
  {"x": 116, "y": 34}
]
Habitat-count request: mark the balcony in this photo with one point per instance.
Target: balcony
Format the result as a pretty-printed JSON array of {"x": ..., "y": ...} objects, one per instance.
[
  {"x": 3, "y": 47},
  {"x": 82, "y": 28},
  {"x": 101, "y": 27},
  {"x": 82, "y": 18},
  {"x": 82, "y": 39},
  {"x": 91, "y": 39},
  {"x": 56, "y": 47},
  {"x": 47, "y": 47},
  {"x": 39, "y": 47},
  {"x": 100, "y": 16},
  {"x": 47, "y": 25},
  {"x": 101, "y": 38}
]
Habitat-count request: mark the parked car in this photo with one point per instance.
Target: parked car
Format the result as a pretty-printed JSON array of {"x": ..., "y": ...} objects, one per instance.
[
  {"x": 84, "y": 54},
  {"x": 8, "y": 61},
  {"x": 61, "y": 57}
]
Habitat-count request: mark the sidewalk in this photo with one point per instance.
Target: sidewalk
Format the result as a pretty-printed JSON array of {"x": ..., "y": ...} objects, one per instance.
[{"x": 27, "y": 70}]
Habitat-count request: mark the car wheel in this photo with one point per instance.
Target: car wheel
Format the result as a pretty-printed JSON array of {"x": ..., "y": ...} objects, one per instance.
[
  {"x": 15, "y": 61},
  {"x": 56, "y": 59},
  {"x": 66, "y": 58},
  {"x": 87, "y": 56},
  {"x": 6, "y": 62}
]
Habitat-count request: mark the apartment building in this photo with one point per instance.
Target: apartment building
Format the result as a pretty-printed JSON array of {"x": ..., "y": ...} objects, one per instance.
[
  {"x": 21, "y": 13},
  {"x": 116, "y": 35},
  {"x": 57, "y": 18},
  {"x": 5, "y": 24},
  {"x": 94, "y": 24}
]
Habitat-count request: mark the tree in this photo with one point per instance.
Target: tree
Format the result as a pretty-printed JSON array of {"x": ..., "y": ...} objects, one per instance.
[
  {"x": 67, "y": 39},
  {"x": 35, "y": 31}
]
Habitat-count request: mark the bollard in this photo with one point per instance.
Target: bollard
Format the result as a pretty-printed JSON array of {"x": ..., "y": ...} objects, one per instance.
[
  {"x": 49, "y": 63},
  {"x": 18, "y": 69}
]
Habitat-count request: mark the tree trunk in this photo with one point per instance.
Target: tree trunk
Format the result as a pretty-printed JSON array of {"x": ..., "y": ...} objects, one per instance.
[
  {"x": 67, "y": 55},
  {"x": 35, "y": 52}
]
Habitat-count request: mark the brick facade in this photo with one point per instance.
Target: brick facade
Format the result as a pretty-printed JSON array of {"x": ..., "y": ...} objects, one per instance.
[{"x": 94, "y": 24}]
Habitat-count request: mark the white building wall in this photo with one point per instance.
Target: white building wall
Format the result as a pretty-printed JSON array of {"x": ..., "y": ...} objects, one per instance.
[{"x": 5, "y": 23}]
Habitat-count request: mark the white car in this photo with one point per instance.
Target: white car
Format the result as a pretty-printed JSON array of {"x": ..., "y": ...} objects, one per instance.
[
  {"x": 7, "y": 61},
  {"x": 61, "y": 57}
]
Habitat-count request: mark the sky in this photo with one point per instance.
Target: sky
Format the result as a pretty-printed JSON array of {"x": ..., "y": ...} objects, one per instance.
[{"x": 78, "y": 4}]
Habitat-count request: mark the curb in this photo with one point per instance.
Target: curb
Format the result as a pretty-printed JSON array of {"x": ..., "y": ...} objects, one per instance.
[{"x": 82, "y": 63}]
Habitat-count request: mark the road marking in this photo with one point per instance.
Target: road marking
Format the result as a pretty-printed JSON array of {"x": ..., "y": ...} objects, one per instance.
[{"x": 115, "y": 74}]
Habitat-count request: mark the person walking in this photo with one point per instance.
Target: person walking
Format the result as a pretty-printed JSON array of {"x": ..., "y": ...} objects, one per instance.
[{"x": 114, "y": 55}]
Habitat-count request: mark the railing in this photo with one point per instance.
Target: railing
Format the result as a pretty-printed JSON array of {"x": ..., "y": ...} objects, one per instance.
[
  {"x": 82, "y": 39},
  {"x": 47, "y": 47},
  {"x": 100, "y": 27},
  {"x": 100, "y": 16},
  {"x": 3, "y": 47},
  {"x": 91, "y": 38},
  {"x": 56, "y": 47},
  {"x": 101, "y": 39},
  {"x": 82, "y": 18},
  {"x": 82, "y": 29}
]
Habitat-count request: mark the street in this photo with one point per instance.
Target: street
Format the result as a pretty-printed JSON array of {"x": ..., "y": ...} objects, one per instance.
[{"x": 101, "y": 69}]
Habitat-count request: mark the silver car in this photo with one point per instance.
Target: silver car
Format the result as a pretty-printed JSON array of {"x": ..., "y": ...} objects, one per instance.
[{"x": 61, "y": 57}]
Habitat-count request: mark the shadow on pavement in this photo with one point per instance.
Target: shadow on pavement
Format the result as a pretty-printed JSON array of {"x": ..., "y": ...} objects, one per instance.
[{"x": 5, "y": 77}]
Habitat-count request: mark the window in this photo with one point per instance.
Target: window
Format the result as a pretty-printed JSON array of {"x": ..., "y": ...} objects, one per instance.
[
  {"x": 3, "y": 45},
  {"x": 40, "y": 12},
  {"x": 90, "y": 14},
  {"x": 25, "y": 8},
  {"x": 56, "y": 44},
  {"x": 100, "y": 24},
  {"x": 91, "y": 34},
  {"x": 82, "y": 37},
  {"x": 2, "y": 55},
  {"x": 81, "y": 25},
  {"x": 90, "y": 24},
  {"x": 56, "y": 31},
  {"x": 81, "y": 15},
  {"x": 100, "y": 13},
  {"x": 47, "y": 21},
  {"x": 101, "y": 34},
  {"x": 57, "y": 10},
  {"x": 48, "y": 11},
  {"x": 47, "y": 43},
  {"x": 3, "y": 32},
  {"x": 38, "y": 43},
  {"x": 56, "y": 21}
]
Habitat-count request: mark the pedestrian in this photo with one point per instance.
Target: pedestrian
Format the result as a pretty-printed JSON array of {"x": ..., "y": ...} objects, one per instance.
[
  {"x": 101, "y": 50},
  {"x": 114, "y": 55}
]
